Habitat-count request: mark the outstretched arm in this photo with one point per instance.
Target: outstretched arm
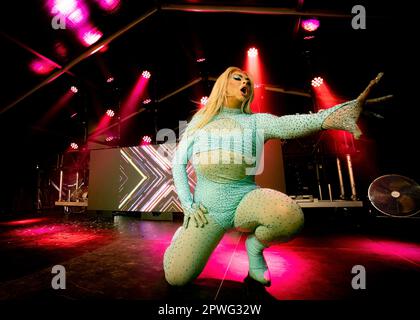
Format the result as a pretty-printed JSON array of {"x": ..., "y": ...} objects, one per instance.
[
  {"x": 343, "y": 116},
  {"x": 293, "y": 126}
]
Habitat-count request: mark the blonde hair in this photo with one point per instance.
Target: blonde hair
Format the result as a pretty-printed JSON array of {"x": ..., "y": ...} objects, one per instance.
[{"x": 218, "y": 98}]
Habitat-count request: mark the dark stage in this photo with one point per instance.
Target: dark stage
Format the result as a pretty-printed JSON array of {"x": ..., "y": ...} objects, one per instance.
[{"x": 119, "y": 257}]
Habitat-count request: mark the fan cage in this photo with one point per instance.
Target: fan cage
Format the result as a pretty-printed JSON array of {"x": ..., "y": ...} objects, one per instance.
[{"x": 371, "y": 191}]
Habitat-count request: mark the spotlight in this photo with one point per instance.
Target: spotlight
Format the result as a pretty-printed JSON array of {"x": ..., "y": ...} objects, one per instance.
[
  {"x": 147, "y": 101},
  {"x": 110, "y": 138},
  {"x": 204, "y": 100},
  {"x": 252, "y": 52},
  {"x": 146, "y": 74},
  {"x": 76, "y": 17},
  {"x": 110, "y": 79},
  {"x": 109, "y": 5},
  {"x": 110, "y": 113},
  {"x": 201, "y": 60},
  {"x": 74, "y": 89},
  {"x": 64, "y": 7},
  {"x": 74, "y": 146},
  {"x": 146, "y": 140},
  {"x": 310, "y": 25},
  {"x": 40, "y": 66},
  {"x": 317, "y": 82},
  {"x": 90, "y": 36}
]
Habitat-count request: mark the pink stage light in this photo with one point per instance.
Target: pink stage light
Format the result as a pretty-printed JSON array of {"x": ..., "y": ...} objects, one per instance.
[
  {"x": 146, "y": 140},
  {"x": 74, "y": 89},
  {"x": 310, "y": 25},
  {"x": 146, "y": 74},
  {"x": 201, "y": 60},
  {"x": 75, "y": 12},
  {"x": 252, "y": 52},
  {"x": 136, "y": 95},
  {"x": 41, "y": 66},
  {"x": 74, "y": 146},
  {"x": 204, "y": 100},
  {"x": 110, "y": 138},
  {"x": 90, "y": 36},
  {"x": 317, "y": 82},
  {"x": 109, "y": 5},
  {"x": 110, "y": 79},
  {"x": 110, "y": 113},
  {"x": 64, "y": 7},
  {"x": 147, "y": 101},
  {"x": 77, "y": 17}
]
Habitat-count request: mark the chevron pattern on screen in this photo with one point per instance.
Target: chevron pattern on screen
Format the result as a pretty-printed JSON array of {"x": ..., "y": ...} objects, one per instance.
[{"x": 146, "y": 183}]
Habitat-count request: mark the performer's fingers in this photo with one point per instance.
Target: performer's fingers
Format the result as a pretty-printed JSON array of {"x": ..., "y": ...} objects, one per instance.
[
  {"x": 186, "y": 220},
  {"x": 379, "y": 100},
  {"x": 379, "y": 77},
  {"x": 202, "y": 217},
  {"x": 203, "y": 208},
  {"x": 362, "y": 97},
  {"x": 195, "y": 220}
]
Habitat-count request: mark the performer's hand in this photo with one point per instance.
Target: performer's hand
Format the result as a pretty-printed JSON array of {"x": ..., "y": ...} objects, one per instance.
[
  {"x": 345, "y": 118},
  {"x": 197, "y": 214}
]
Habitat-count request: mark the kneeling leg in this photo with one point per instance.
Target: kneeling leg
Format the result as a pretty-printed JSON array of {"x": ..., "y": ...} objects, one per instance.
[{"x": 190, "y": 250}]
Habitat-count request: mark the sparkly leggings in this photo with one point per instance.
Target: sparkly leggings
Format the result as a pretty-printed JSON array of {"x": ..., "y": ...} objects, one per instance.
[{"x": 270, "y": 214}]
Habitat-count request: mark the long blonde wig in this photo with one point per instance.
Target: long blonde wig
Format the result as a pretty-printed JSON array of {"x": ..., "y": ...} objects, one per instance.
[{"x": 218, "y": 99}]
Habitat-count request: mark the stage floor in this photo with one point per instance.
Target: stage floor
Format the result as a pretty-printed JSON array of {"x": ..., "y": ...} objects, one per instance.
[{"x": 120, "y": 257}]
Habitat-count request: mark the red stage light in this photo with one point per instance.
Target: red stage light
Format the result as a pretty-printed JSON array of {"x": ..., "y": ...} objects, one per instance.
[
  {"x": 74, "y": 146},
  {"x": 317, "y": 82},
  {"x": 146, "y": 74},
  {"x": 146, "y": 140},
  {"x": 74, "y": 89},
  {"x": 252, "y": 52},
  {"x": 110, "y": 113},
  {"x": 204, "y": 100},
  {"x": 41, "y": 66}
]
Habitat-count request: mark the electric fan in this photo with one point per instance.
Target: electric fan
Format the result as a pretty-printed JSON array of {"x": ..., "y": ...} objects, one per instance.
[{"x": 395, "y": 195}]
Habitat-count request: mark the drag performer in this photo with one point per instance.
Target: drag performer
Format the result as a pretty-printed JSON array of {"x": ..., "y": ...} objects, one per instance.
[{"x": 226, "y": 195}]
